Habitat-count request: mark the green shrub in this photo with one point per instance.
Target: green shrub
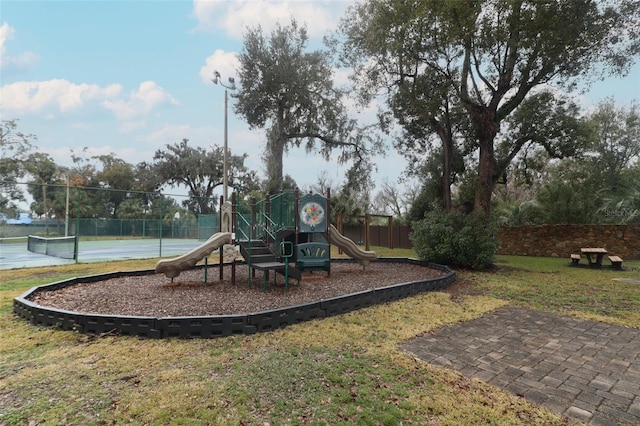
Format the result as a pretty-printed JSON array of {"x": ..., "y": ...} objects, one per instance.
[{"x": 455, "y": 239}]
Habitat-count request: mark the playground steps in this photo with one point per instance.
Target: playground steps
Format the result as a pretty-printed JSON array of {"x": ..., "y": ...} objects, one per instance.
[
  {"x": 262, "y": 257},
  {"x": 257, "y": 251}
]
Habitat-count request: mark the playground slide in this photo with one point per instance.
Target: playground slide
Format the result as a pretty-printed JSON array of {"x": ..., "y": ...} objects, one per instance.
[
  {"x": 172, "y": 267},
  {"x": 348, "y": 246}
]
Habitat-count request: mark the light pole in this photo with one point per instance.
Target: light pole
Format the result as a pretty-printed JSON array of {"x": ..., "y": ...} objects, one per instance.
[{"x": 225, "y": 167}]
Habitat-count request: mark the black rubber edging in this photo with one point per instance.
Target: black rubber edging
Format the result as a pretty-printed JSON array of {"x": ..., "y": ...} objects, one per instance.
[{"x": 218, "y": 325}]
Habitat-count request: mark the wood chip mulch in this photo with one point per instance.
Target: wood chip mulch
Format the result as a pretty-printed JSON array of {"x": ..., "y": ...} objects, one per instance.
[{"x": 188, "y": 294}]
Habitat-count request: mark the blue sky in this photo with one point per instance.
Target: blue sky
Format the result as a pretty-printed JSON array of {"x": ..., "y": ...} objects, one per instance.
[{"x": 130, "y": 77}]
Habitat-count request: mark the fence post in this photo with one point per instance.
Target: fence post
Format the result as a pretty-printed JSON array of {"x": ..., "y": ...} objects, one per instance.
[
  {"x": 340, "y": 227},
  {"x": 366, "y": 231},
  {"x": 160, "y": 233}
]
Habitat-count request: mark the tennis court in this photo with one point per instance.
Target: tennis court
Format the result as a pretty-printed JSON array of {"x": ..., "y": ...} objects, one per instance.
[{"x": 14, "y": 254}]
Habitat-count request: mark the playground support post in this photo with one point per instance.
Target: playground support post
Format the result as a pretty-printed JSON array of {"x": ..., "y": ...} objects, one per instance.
[
  {"x": 267, "y": 214},
  {"x": 234, "y": 211},
  {"x": 297, "y": 218},
  {"x": 222, "y": 200},
  {"x": 328, "y": 207}
]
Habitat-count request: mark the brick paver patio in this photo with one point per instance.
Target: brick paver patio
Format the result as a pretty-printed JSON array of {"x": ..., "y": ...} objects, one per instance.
[{"x": 586, "y": 370}]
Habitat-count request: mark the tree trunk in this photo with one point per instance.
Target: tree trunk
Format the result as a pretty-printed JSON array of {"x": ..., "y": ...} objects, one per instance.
[
  {"x": 486, "y": 129},
  {"x": 273, "y": 162},
  {"x": 486, "y": 167},
  {"x": 446, "y": 174},
  {"x": 444, "y": 133},
  {"x": 277, "y": 156},
  {"x": 276, "y": 141}
]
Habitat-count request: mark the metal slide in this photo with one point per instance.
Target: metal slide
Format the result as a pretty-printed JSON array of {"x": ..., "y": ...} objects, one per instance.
[
  {"x": 172, "y": 267},
  {"x": 363, "y": 257}
]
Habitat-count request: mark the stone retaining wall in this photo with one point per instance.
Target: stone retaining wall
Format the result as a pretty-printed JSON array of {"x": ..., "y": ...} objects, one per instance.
[{"x": 562, "y": 240}]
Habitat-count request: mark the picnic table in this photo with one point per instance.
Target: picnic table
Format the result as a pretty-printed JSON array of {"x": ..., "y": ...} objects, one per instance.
[{"x": 598, "y": 252}]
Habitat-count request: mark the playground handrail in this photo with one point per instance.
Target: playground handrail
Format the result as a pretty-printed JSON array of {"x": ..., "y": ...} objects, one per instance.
[
  {"x": 244, "y": 227},
  {"x": 283, "y": 209},
  {"x": 242, "y": 224},
  {"x": 269, "y": 225},
  {"x": 272, "y": 215},
  {"x": 259, "y": 223}
]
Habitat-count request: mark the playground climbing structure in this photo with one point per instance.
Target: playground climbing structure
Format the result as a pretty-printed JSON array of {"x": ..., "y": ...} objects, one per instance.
[{"x": 273, "y": 235}]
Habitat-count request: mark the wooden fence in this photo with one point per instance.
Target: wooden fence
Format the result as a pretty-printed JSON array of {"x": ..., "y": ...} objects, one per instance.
[{"x": 380, "y": 235}]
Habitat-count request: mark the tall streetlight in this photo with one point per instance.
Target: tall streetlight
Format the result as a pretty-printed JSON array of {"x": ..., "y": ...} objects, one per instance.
[{"x": 225, "y": 171}]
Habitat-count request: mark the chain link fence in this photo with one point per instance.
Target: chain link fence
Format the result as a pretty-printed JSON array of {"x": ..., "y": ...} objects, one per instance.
[
  {"x": 154, "y": 224},
  {"x": 198, "y": 227}
]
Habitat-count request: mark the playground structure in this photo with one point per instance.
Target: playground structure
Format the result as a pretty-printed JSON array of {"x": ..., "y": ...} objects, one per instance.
[
  {"x": 273, "y": 235},
  {"x": 279, "y": 231}
]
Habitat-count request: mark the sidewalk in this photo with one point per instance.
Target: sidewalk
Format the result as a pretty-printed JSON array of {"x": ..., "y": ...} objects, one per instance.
[{"x": 586, "y": 370}]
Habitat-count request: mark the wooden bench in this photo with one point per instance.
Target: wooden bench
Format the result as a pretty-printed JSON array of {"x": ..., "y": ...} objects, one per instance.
[
  {"x": 575, "y": 258},
  {"x": 616, "y": 262},
  {"x": 313, "y": 257}
]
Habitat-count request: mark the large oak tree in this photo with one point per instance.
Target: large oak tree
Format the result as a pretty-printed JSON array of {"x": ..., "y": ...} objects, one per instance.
[
  {"x": 289, "y": 92},
  {"x": 15, "y": 147},
  {"x": 200, "y": 171},
  {"x": 490, "y": 55}
]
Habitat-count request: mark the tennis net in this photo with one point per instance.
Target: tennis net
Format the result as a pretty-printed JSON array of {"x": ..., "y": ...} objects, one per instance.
[
  {"x": 10, "y": 241},
  {"x": 64, "y": 247}
]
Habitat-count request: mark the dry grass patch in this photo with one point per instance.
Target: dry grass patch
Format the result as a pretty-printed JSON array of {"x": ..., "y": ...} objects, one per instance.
[{"x": 340, "y": 370}]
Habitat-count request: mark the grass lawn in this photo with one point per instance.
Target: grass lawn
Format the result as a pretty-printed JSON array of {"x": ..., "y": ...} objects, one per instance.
[{"x": 339, "y": 370}]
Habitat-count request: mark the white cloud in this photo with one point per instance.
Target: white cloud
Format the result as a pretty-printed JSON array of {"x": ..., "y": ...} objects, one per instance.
[
  {"x": 6, "y": 33},
  {"x": 140, "y": 102},
  {"x": 23, "y": 60},
  {"x": 169, "y": 134},
  {"x": 234, "y": 17},
  {"x": 62, "y": 155},
  {"x": 342, "y": 77},
  {"x": 225, "y": 62},
  {"x": 130, "y": 126},
  {"x": 52, "y": 96}
]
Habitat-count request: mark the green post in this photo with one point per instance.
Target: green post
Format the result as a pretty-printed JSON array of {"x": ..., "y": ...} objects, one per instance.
[
  {"x": 286, "y": 251},
  {"x": 75, "y": 248}
]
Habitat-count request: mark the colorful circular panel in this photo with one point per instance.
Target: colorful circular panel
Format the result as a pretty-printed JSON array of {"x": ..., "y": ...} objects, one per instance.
[{"x": 312, "y": 214}]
